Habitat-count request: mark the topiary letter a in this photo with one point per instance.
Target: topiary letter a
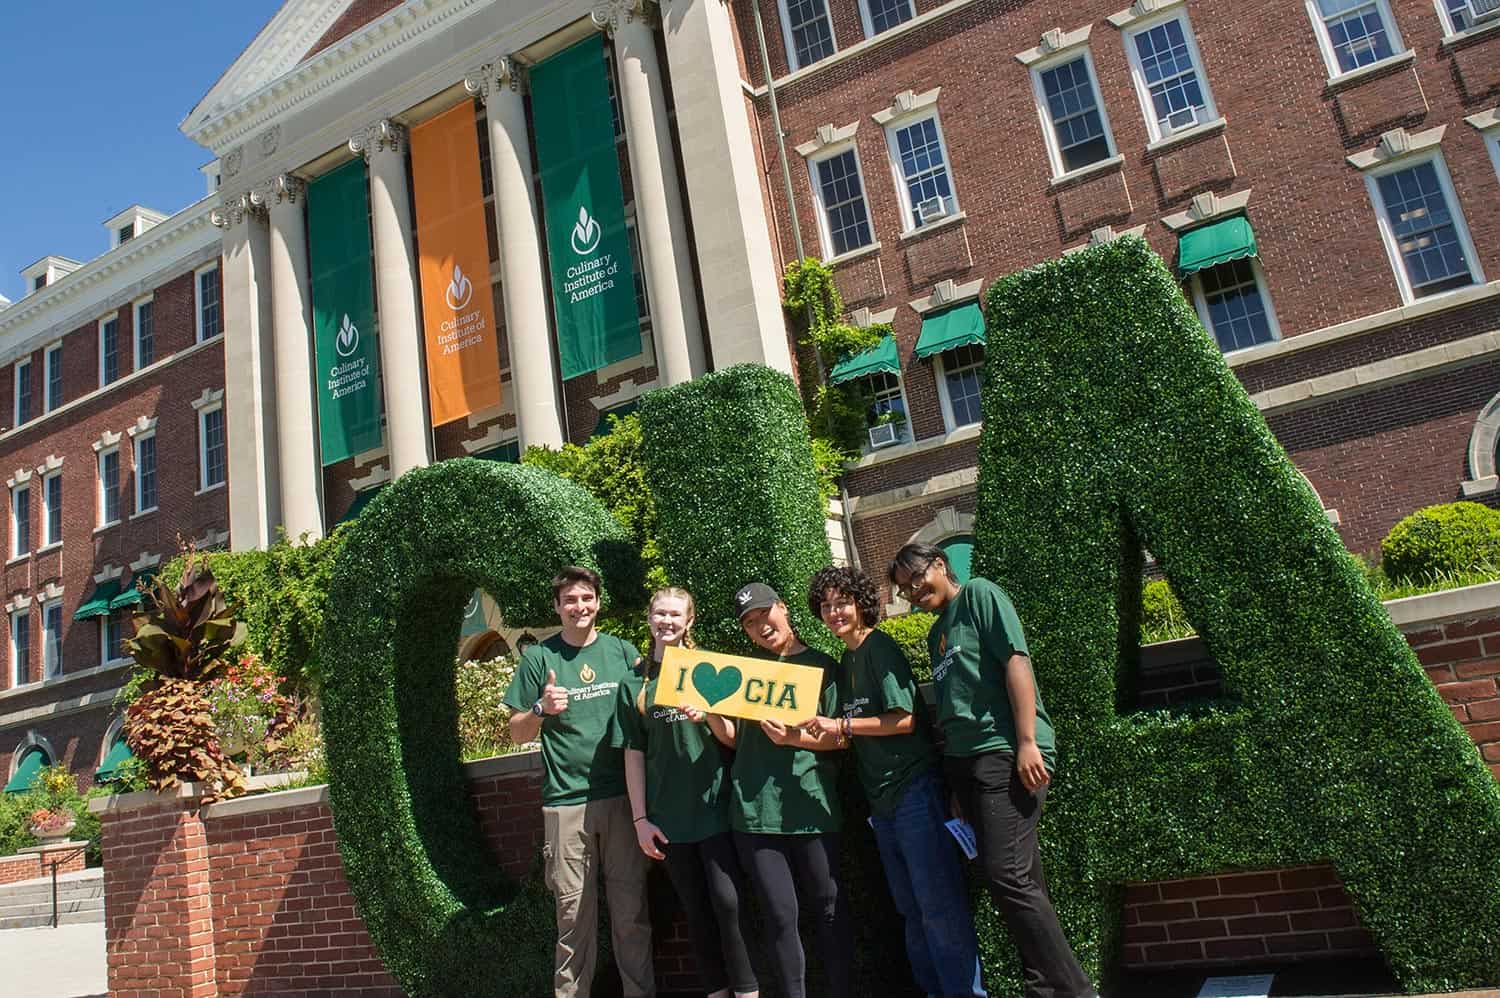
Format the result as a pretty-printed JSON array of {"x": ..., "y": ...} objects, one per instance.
[{"x": 1110, "y": 423}]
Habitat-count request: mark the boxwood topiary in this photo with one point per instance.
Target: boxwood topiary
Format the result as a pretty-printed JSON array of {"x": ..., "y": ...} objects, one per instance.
[
  {"x": 1111, "y": 422},
  {"x": 1453, "y": 537},
  {"x": 426, "y": 883}
]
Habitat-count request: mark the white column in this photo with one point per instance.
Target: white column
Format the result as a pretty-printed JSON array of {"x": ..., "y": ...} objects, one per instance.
[
  {"x": 383, "y": 146},
  {"x": 249, "y": 390},
  {"x": 296, "y": 393},
  {"x": 741, "y": 282},
  {"x": 658, "y": 194},
  {"x": 523, "y": 282}
]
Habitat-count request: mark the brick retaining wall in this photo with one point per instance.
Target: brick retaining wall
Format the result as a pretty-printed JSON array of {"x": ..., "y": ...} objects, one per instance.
[{"x": 36, "y": 862}]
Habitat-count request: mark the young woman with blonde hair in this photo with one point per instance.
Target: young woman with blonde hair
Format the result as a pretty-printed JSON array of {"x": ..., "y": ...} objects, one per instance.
[{"x": 677, "y": 777}]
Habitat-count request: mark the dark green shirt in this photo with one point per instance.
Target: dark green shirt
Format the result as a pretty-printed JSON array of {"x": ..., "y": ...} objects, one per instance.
[
  {"x": 780, "y": 790},
  {"x": 875, "y": 679},
  {"x": 686, "y": 767},
  {"x": 578, "y": 762},
  {"x": 971, "y": 643}
]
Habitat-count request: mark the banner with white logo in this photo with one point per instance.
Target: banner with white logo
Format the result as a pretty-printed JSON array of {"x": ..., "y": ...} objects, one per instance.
[
  {"x": 343, "y": 290},
  {"x": 458, "y": 309},
  {"x": 588, "y": 246}
]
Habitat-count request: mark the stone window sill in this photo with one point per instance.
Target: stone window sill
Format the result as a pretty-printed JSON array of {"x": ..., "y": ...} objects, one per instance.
[
  {"x": 106, "y": 526},
  {"x": 46, "y": 548},
  {"x": 17, "y": 559},
  {"x": 1114, "y": 162},
  {"x": 955, "y": 219},
  {"x": 1477, "y": 31},
  {"x": 144, "y": 512},
  {"x": 211, "y": 488},
  {"x": 853, "y": 255},
  {"x": 899, "y": 451},
  {"x": 1355, "y": 76},
  {"x": 1186, "y": 135}
]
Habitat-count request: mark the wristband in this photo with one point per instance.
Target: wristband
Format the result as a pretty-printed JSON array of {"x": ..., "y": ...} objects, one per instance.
[
  {"x": 640, "y": 819},
  {"x": 848, "y": 730},
  {"x": 538, "y": 710}
]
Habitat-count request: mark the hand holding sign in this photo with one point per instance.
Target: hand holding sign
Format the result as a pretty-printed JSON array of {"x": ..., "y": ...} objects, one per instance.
[{"x": 737, "y": 686}]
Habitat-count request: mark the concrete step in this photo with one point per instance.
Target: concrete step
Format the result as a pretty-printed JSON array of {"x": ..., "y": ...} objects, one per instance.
[
  {"x": 63, "y": 918},
  {"x": 80, "y": 899}
]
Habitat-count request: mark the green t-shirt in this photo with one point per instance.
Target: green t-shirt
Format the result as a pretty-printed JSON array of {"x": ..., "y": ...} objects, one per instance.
[
  {"x": 686, "y": 767},
  {"x": 970, "y": 643},
  {"x": 875, "y": 679},
  {"x": 780, "y": 790},
  {"x": 578, "y": 762}
]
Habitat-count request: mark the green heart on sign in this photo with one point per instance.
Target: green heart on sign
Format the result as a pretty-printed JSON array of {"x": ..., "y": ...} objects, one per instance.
[{"x": 715, "y": 685}]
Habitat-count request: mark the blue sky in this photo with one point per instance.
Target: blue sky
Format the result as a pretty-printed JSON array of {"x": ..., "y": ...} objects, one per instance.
[{"x": 93, "y": 93}]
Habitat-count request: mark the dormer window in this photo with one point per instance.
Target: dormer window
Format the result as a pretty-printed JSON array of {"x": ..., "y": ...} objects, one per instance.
[
  {"x": 39, "y": 282},
  {"x": 127, "y": 232}
]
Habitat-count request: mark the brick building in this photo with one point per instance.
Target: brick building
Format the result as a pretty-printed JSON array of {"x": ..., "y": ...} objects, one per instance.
[{"x": 1326, "y": 191}]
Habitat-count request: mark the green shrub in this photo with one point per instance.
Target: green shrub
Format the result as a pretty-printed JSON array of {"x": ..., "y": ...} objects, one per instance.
[
  {"x": 1162, "y": 617},
  {"x": 737, "y": 497},
  {"x": 55, "y": 788},
  {"x": 910, "y": 632},
  {"x": 444, "y": 918},
  {"x": 1454, "y": 537},
  {"x": 816, "y": 311},
  {"x": 483, "y": 721},
  {"x": 1111, "y": 422}
]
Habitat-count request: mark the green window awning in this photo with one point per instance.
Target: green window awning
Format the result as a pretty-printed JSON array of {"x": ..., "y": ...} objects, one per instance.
[
  {"x": 960, "y": 554},
  {"x": 1210, "y": 245},
  {"x": 881, "y": 358},
  {"x": 361, "y": 500},
  {"x": 32, "y": 763},
  {"x": 117, "y": 756},
  {"x": 131, "y": 594},
  {"x": 604, "y": 425},
  {"x": 97, "y": 605},
  {"x": 959, "y": 326}
]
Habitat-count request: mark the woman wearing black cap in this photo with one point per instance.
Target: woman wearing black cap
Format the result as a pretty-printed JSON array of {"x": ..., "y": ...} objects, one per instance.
[{"x": 784, "y": 807}]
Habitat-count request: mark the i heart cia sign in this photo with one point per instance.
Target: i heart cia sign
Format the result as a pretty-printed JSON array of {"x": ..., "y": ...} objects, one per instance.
[{"x": 736, "y": 686}]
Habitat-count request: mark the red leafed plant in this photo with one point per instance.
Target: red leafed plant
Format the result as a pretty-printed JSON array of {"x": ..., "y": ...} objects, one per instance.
[{"x": 50, "y": 819}]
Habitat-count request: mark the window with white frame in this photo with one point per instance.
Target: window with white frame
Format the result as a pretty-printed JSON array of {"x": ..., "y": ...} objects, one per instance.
[
  {"x": 1073, "y": 118},
  {"x": 883, "y": 15},
  {"x": 109, "y": 350},
  {"x": 145, "y": 333},
  {"x": 209, "y": 319},
  {"x": 617, "y": 121},
  {"x": 109, "y": 486},
  {"x": 211, "y": 451},
  {"x": 638, "y": 262},
  {"x": 23, "y": 391},
  {"x": 111, "y": 637},
  {"x": 1457, "y": 15},
  {"x": 1233, "y": 305},
  {"x": 52, "y": 634},
  {"x": 961, "y": 373},
  {"x": 1353, "y": 33},
  {"x": 20, "y": 648},
  {"x": 52, "y": 509},
  {"x": 1169, "y": 76},
  {"x": 808, "y": 30},
  {"x": 886, "y": 417},
  {"x": 920, "y": 158},
  {"x": 1423, "y": 229},
  {"x": 1492, "y": 140},
  {"x": 839, "y": 188},
  {"x": 20, "y": 520},
  {"x": 53, "y": 368},
  {"x": 145, "y": 473}
]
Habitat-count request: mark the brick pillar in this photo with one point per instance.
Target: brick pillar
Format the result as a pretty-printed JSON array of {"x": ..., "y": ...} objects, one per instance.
[{"x": 159, "y": 937}]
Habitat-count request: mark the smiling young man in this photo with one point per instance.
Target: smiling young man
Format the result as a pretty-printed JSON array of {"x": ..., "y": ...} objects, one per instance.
[
  {"x": 564, "y": 692},
  {"x": 999, "y": 751}
]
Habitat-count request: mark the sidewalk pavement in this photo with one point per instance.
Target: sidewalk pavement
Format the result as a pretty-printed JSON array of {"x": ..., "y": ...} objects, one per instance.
[{"x": 65, "y": 962}]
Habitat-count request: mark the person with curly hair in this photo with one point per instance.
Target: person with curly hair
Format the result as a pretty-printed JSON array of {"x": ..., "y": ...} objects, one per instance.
[{"x": 879, "y": 711}]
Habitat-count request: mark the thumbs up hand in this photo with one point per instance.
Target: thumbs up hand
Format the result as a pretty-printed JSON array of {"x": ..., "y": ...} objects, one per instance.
[{"x": 554, "y": 698}]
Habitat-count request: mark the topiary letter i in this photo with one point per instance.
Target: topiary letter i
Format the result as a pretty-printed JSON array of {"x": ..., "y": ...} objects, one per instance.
[{"x": 1111, "y": 423}]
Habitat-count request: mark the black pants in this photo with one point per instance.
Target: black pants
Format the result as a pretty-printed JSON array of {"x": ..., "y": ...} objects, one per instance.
[
  {"x": 707, "y": 878},
  {"x": 778, "y": 864},
  {"x": 1004, "y": 814}
]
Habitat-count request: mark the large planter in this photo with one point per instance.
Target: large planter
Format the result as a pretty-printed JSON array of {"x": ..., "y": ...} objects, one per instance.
[{"x": 57, "y": 834}]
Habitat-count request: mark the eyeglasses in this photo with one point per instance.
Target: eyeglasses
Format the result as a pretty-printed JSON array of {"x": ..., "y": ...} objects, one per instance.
[{"x": 915, "y": 582}]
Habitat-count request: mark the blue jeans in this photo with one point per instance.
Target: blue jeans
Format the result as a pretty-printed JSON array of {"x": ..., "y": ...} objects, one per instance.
[{"x": 927, "y": 883}]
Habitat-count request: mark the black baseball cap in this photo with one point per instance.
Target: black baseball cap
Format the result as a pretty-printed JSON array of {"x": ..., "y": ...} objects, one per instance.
[{"x": 754, "y": 596}]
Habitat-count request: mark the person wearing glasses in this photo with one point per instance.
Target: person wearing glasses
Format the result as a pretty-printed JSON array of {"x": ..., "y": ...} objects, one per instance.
[
  {"x": 881, "y": 714},
  {"x": 999, "y": 750}
]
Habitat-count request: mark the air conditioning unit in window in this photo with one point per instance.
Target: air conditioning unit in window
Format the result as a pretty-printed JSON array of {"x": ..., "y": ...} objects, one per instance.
[
  {"x": 1178, "y": 120},
  {"x": 884, "y": 434},
  {"x": 1484, "y": 9},
  {"x": 933, "y": 209}
]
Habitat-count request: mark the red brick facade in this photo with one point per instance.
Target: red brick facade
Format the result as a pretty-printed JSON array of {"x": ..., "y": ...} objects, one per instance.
[{"x": 32, "y": 864}]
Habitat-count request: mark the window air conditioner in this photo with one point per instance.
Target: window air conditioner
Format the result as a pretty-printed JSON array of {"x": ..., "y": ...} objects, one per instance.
[
  {"x": 883, "y": 434},
  {"x": 1178, "y": 120},
  {"x": 932, "y": 209},
  {"x": 1484, "y": 9}
]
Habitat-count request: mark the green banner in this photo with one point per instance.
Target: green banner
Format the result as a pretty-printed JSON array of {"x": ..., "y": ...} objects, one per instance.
[
  {"x": 593, "y": 280},
  {"x": 343, "y": 291}
]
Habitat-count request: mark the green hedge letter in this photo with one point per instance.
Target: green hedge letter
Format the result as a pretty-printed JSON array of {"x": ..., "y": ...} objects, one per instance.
[{"x": 1111, "y": 423}]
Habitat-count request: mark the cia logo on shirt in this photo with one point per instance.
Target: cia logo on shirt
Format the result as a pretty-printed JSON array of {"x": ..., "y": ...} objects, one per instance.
[{"x": 586, "y": 674}]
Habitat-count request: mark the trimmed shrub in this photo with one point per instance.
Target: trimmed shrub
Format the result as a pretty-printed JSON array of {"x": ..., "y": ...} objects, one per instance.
[
  {"x": 737, "y": 500},
  {"x": 1454, "y": 537},
  {"x": 443, "y": 916},
  {"x": 910, "y": 632},
  {"x": 1111, "y": 422}
]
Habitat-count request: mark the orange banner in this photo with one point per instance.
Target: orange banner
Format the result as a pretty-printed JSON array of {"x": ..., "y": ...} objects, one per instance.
[{"x": 458, "y": 309}]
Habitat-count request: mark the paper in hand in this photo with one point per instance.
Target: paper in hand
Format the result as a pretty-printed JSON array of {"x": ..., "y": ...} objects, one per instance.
[{"x": 963, "y": 832}]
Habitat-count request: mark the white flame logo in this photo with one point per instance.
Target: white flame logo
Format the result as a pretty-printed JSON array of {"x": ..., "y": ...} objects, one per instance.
[
  {"x": 348, "y": 339},
  {"x": 459, "y": 290},
  {"x": 586, "y": 233}
]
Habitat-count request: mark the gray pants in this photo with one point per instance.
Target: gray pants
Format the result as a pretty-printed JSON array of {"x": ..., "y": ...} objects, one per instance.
[{"x": 583, "y": 841}]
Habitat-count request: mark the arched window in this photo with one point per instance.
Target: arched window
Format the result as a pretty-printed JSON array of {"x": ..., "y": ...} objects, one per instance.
[
  {"x": 959, "y": 551},
  {"x": 29, "y": 763}
]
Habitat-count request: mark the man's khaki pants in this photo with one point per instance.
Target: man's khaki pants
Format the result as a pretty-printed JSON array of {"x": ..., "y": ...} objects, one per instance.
[{"x": 581, "y": 842}]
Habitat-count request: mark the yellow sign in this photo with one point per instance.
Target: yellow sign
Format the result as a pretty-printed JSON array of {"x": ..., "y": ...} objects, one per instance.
[{"x": 736, "y": 686}]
